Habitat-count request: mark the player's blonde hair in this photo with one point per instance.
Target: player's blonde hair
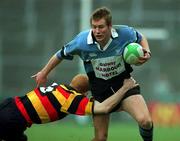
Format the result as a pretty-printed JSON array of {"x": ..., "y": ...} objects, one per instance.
[
  {"x": 102, "y": 12},
  {"x": 80, "y": 82}
]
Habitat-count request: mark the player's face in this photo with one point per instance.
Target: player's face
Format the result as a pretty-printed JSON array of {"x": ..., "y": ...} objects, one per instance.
[{"x": 101, "y": 31}]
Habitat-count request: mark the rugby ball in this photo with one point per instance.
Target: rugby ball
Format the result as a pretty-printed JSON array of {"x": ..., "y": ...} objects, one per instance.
[{"x": 132, "y": 52}]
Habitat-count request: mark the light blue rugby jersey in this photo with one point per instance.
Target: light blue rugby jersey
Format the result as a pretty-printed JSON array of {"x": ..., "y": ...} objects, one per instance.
[{"x": 106, "y": 62}]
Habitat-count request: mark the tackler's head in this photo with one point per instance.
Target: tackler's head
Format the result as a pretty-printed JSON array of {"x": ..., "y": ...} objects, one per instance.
[{"x": 80, "y": 82}]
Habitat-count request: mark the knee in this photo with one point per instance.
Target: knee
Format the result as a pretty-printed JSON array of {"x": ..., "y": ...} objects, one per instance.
[{"x": 145, "y": 122}]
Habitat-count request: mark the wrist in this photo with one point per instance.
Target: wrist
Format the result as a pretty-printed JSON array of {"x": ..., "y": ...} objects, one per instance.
[
  {"x": 44, "y": 73},
  {"x": 125, "y": 88}
]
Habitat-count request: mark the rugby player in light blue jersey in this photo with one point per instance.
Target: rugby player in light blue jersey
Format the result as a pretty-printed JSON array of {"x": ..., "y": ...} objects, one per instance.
[{"x": 101, "y": 50}]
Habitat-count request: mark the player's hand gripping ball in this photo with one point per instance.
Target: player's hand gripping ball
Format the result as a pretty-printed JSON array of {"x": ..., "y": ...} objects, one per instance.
[{"x": 132, "y": 52}]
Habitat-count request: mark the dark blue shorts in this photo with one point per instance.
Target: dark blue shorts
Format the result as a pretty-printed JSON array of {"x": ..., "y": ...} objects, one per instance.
[
  {"x": 109, "y": 92},
  {"x": 12, "y": 123},
  {"x": 102, "y": 89}
]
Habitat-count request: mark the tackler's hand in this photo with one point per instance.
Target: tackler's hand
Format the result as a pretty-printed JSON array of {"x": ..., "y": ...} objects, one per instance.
[{"x": 130, "y": 83}]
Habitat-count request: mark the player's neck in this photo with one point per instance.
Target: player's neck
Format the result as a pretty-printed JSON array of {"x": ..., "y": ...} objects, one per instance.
[
  {"x": 104, "y": 45},
  {"x": 105, "y": 42}
]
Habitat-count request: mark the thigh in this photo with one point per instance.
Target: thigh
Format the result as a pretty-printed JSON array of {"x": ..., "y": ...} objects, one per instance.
[
  {"x": 16, "y": 137},
  {"x": 136, "y": 106},
  {"x": 101, "y": 123},
  {"x": 12, "y": 124}
]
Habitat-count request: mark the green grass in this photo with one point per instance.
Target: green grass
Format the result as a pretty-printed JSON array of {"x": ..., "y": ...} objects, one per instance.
[{"x": 70, "y": 131}]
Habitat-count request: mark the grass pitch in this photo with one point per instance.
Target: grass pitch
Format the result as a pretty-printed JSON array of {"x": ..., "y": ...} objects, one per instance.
[{"x": 71, "y": 131}]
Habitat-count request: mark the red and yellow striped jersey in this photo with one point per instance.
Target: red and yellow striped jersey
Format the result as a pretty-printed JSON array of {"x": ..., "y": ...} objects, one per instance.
[{"x": 47, "y": 104}]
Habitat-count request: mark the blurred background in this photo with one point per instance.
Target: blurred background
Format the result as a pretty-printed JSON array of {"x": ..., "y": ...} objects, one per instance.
[{"x": 31, "y": 31}]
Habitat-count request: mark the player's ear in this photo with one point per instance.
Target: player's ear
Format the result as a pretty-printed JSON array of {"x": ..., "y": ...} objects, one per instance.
[{"x": 80, "y": 83}]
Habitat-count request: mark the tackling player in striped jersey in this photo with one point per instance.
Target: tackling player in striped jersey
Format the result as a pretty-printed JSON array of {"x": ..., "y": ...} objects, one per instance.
[{"x": 48, "y": 104}]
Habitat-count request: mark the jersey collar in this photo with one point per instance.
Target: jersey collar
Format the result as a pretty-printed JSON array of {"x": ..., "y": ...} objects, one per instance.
[{"x": 90, "y": 39}]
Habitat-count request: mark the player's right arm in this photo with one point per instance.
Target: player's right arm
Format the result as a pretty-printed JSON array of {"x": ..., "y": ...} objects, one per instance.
[
  {"x": 41, "y": 76},
  {"x": 66, "y": 52}
]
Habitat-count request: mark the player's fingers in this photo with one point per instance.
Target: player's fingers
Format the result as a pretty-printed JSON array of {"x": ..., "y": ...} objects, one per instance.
[
  {"x": 41, "y": 83},
  {"x": 129, "y": 81},
  {"x": 144, "y": 50},
  {"x": 142, "y": 60},
  {"x": 133, "y": 79},
  {"x": 136, "y": 85},
  {"x": 44, "y": 84},
  {"x": 38, "y": 84},
  {"x": 33, "y": 76}
]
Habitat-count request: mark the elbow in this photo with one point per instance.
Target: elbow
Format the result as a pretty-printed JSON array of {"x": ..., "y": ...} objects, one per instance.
[
  {"x": 107, "y": 110},
  {"x": 103, "y": 109}
]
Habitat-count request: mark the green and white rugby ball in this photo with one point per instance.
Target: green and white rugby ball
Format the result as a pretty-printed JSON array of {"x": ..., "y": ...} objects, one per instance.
[{"x": 132, "y": 52}]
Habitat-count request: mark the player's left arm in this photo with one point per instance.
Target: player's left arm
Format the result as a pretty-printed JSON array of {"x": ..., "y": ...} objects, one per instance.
[{"x": 146, "y": 49}]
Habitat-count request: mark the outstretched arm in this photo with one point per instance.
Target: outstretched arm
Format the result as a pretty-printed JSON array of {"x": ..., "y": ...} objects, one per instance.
[
  {"x": 107, "y": 105},
  {"x": 41, "y": 76}
]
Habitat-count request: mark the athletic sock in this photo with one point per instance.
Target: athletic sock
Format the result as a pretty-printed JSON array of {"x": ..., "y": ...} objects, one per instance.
[{"x": 146, "y": 134}]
